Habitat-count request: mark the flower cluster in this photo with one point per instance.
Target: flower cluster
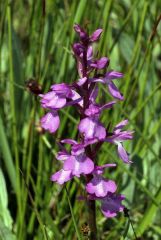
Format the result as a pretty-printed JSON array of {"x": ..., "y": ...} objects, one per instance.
[{"x": 81, "y": 160}]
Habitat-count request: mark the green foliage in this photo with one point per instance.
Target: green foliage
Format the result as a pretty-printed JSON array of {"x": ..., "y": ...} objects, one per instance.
[{"x": 35, "y": 42}]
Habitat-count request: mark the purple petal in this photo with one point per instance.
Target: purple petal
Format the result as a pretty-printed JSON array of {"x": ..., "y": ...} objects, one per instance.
[
  {"x": 96, "y": 35},
  {"x": 81, "y": 81},
  {"x": 100, "y": 64},
  {"x": 119, "y": 136},
  {"x": 74, "y": 102},
  {"x": 114, "y": 91},
  {"x": 89, "y": 53},
  {"x": 108, "y": 105},
  {"x": 62, "y": 89},
  {"x": 77, "y": 28},
  {"x": 100, "y": 169},
  {"x": 89, "y": 141},
  {"x": 93, "y": 95},
  {"x": 102, "y": 80},
  {"x": 75, "y": 97},
  {"x": 69, "y": 141},
  {"x": 123, "y": 154},
  {"x": 78, "y": 50},
  {"x": 77, "y": 149},
  {"x": 62, "y": 156},
  {"x": 125, "y": 135},
  {"x": 100, "y": 186},
  {"x": 61, "y": 176},
  {"x": 111, "y": 205},
  {"x": 50, "y": 122},
  {"x": 69, "y": 163},
  {"x": 91, "y": 128},
  {"x": 113, "y": 75},
  {"x": 120, "y": 125}
]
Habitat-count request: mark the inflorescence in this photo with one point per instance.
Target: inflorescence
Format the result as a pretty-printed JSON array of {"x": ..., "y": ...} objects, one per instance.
[{"x": 81, "y": 160}]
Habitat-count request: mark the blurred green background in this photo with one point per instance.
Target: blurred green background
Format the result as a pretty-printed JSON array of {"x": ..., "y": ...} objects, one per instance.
[{"x": 35, "y": 42}]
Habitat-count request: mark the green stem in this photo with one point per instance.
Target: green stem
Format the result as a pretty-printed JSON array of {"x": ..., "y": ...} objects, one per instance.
[
  {"x": 91, "y": 205},
  {"x": 92, "y": 219}
]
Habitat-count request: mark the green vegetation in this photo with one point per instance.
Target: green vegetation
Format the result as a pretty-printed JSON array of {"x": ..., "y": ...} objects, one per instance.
[{"x": 35, "y": 42}]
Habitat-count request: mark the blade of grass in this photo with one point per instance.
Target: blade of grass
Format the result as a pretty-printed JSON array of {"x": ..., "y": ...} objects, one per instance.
[
  {"x": 79, "y": 14},
  {"x": 35, "y": 209},
  {"x": 13, "y": 112},
  {"x": 72, "y": 214},
  {"x": 149, "y": 215},
  {"x": 8, "y": 161}
]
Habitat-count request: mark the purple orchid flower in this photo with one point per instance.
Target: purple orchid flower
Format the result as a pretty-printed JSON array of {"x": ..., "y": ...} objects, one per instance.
[
  {"x": 118, "y": 137},
  {"x": 99, "y": 186},
  {"x": 111, "y": 205},
  {"x": 53, "y": 101},
  {"x": 77, "y": 162},
  {"x": 90, "y": 126},
  {"x": 61, "y": 95},
  {"x": 108, "y": 80}
]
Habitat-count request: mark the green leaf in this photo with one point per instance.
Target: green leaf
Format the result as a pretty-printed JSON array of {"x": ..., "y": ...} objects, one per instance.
[
  {"x": 126, "y": 46},
  {"x": 4, "y": 212},
  {"x": 5, "y": 233}
]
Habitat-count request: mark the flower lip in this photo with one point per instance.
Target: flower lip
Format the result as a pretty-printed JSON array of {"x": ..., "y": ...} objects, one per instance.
[
  {"x": 50, "y": 121},
  {"x": 79, "y": 164},
  {"x": 61, "y": 176},
  {"x": 100, "y": 186}
]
